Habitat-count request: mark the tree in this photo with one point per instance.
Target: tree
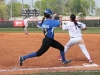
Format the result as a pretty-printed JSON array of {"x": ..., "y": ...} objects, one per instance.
[
  {"x": 3, "y": 10},
  {"x": 98, "y": 11},
  {"x": 1, "y": 0},
  {"x": 54, "y": 5},
  {"x": 66, "y": 6},
  {"x": 75, "y": 6},
  {"x": 16, "y": 8},
  {"x": 82, "y": 5}
]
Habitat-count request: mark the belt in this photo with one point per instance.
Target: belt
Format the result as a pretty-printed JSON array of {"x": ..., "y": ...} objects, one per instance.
[{"x": 75, "y": 37}]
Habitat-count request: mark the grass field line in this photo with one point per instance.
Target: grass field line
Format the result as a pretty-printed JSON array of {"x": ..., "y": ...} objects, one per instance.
[{"x": 47, "y": 68}]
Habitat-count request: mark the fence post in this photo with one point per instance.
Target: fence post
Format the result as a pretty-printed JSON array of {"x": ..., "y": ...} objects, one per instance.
[{"x": 98, "y": 22}]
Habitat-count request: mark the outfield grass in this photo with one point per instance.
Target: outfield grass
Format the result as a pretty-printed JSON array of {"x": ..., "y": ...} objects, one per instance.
[{"x": 90, "y": 30}]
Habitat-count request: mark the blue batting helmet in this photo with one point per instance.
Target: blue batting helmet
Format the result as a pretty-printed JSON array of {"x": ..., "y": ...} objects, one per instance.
[{"x": 48, "y": 13}]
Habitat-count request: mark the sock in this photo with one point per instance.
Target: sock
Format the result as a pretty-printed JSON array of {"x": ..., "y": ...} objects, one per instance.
[
  {"x": 30, "y": 55},
  {"x": 63, "y": 56}
]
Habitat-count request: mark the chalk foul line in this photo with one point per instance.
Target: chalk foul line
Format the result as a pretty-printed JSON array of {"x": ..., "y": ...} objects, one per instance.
[{"x": 47, "y": 68}]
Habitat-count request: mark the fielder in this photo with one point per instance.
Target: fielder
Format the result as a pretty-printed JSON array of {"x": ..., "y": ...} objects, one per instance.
[
  {"x": 26, "y": 23},
  {"x": 74, "y": 28}
]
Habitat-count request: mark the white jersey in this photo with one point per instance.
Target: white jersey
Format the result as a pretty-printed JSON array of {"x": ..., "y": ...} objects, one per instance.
[
  {"x": 26, "y": 22},
  {"x": 74, "y": 31}
]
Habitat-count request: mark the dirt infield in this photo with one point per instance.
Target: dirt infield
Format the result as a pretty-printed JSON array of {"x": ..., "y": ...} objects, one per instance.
[{"x": 12, "y": 45}]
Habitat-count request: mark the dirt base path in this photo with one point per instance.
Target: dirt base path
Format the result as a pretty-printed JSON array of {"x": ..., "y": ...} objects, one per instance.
[{"x": 12, "y": 45}]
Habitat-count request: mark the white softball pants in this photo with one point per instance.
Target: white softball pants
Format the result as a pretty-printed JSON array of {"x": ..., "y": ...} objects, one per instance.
[{"x": 80, "y": 43}]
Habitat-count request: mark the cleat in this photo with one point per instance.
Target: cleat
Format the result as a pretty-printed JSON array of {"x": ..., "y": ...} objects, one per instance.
[
  {"x": 66, "y": 62},
  {"x": 90, "y": 62},
  {"x": 21, "y": 60}
]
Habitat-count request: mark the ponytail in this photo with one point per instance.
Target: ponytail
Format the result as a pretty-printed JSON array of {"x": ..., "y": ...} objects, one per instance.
[
  {"x": 73, "y": 18},
  {"x": 75, "y": 22},
  {"x": 42, "y": 20}
]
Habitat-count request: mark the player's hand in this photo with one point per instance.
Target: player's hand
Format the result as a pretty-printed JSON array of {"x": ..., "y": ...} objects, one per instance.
[
  {"x": 60, "y": 17},
  {"x": 60, "y": 26}
]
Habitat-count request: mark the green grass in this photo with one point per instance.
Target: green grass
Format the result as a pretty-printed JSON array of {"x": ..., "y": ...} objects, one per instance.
[
  {"x": 68, "y": 73},
  {"x": 19, "y": 30},
  {"x": 90, "y": 30}
]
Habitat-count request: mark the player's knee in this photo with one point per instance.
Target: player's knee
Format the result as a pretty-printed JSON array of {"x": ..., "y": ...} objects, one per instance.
[
  {"x": 61, "y": 48},
  {"x": 38, "y": 54}
]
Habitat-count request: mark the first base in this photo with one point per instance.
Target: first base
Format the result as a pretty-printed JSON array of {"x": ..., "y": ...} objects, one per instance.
[{"x": 90, "y": 65}]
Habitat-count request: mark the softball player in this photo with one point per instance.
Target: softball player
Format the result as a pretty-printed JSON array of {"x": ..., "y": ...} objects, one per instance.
[
  {"x": 26, "y": 24},
  {"x": 47, "y": 25},
  {"x": 74, "y": 28}
]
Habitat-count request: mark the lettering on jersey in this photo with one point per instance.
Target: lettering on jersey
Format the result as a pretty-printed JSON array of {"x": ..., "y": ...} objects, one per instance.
[{"x": 45, "y": 26}]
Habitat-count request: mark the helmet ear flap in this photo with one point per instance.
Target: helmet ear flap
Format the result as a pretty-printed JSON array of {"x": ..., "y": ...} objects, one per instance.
[{"x": 47, "y": 15}]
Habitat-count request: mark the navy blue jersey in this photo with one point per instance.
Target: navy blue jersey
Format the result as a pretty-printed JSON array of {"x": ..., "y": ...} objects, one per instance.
[{"x": 48, "y": 27}]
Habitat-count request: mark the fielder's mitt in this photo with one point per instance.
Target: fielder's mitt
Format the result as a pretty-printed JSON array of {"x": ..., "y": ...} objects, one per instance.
[{"x": 56, "y": 17}]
